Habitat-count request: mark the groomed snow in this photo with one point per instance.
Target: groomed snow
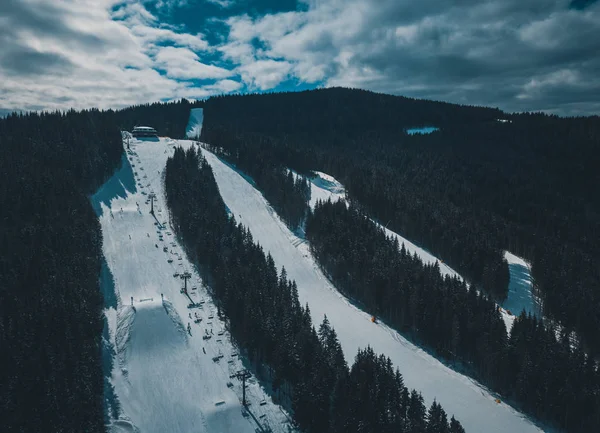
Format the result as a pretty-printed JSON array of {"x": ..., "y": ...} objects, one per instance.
[
  {"x": 472, "y": 404},
  {"x": 520, "y": 296},
  {"x": 194, "y": 126},
  {"x": 165, "y": 379}
]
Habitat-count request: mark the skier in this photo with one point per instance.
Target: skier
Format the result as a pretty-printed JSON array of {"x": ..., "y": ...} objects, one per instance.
[
  {"x": 189, "y": 329},
  {"x": 204, "y": 350},
  {"x": 190, "y": 314},
  {"x": 162, "y": 298},
  {"x": 129, "y": 236}
]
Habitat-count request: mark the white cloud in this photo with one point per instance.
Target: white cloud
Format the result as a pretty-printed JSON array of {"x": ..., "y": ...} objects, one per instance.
[
  {"x": 264, "y": 74},
  {"x": 223, "y": 3},
  {"x": 185, "y": 64},
  {"x": 102, "y": 53}
]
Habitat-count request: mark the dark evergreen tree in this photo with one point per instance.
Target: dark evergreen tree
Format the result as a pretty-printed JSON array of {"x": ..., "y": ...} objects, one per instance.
[{"x": 50, "y": 299}]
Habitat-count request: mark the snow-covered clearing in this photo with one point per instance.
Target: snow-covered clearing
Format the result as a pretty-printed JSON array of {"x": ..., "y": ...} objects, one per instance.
[
  {"x": 194, "y": 126},
  {"x": 165, "y": 378},
  {"x": 472, "y": 404},
  {"x": 424, "y": 130},
  {"x": 520, "y": 295}
]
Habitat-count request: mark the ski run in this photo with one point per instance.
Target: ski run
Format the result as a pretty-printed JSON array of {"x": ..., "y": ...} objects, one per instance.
[
  {"x": 173, "y": 364},
  {"x": 166, "y": 378},
  {"x": 473, "y": 405}
]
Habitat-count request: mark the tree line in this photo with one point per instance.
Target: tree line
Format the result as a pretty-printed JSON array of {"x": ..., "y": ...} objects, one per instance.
[
  {"x": 467, "y": 192},
  {"x": 168, "y": 118},
  {"x": 305, "y": 367},
  {"x": 50, "y": 300},
  {"x": 535, "y": 367}
]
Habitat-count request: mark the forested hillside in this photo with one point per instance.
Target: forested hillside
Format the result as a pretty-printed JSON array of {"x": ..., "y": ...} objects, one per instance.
[
  {"x": 307, "y": 368},
  {"x": 50, "y": 299},
  {"x": 467, "y": 192},
  {"x": 543, "y": 375}
]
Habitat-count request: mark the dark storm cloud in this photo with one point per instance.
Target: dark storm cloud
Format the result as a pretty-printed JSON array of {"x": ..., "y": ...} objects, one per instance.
[
  {"x": 25, "y": 61},
  {"x": 581, "y": 4},
  {"x": 43, "y": 19},
  {"x": 534, "y": 55}
]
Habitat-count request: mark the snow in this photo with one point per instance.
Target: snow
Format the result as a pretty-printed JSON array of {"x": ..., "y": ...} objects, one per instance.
[
  {"x": 194, "y": 126},
  {"x": 472, "y": 404},
  {"x": 326, "y": 187},
  {"x": 423, "y": 130},
  {"x": 163, "y": 379},
  {"x": 520, "y": 296}
]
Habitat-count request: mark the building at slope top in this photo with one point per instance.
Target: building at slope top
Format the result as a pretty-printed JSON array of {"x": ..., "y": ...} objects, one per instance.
[{"x": 144, "y": 131}]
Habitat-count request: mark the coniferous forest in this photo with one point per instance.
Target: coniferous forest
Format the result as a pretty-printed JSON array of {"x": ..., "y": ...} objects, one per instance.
[
  {"x": 535, "y": 369},
  {"x": 467, "y": 192},
  {"x": 50, "y": 299},
  {"x": 306, "y": 367}
]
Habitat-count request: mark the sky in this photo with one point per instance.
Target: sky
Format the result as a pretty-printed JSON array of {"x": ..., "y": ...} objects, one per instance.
[{"x": 517, "y": 55}]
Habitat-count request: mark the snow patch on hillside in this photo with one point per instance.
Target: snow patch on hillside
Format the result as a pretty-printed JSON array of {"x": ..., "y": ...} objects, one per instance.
[
  {"x": 424, "y": 130},
  {"x": 520, "y": 288},
  {"x": 194, "y": 126},
  {"x": 324, "y": 187}
]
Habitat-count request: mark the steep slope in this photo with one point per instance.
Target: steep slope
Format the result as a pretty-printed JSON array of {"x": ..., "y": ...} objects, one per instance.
[
  {"x": 459, "y": 395},
  {"x": 166, "y": 378},
  {"x": 520, "y": 296},
  {"x": 194, "y": 126}
]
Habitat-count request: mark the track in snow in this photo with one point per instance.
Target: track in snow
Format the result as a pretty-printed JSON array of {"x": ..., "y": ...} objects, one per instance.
[
  {"x": 473, "y": 405},
  {"x": 165, "y": 379}
]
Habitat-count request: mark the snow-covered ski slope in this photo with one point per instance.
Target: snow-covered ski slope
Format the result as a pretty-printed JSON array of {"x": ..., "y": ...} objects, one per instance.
[
  {"x": 325, "y": 187},
  {"x": 194, "y": 126},
  {"x": 165, "y": 378},
  {"x": 520, "y": 289},
  {"x": 472, "y": 404}
]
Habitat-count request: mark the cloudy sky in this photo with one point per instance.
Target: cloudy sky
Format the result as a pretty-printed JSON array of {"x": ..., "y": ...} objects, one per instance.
[{"x": 513, "y": 54}]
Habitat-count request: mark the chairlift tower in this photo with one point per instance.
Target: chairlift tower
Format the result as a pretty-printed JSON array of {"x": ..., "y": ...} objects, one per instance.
[
  {"x": 185, "y": 277},
  {"x": 242, "y": 375},
  {"x": 152, "y": 196}
]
